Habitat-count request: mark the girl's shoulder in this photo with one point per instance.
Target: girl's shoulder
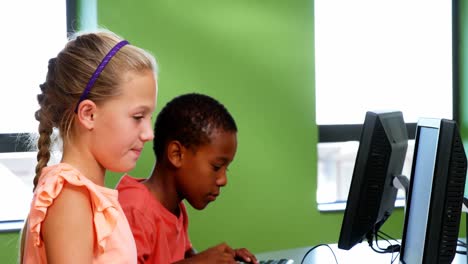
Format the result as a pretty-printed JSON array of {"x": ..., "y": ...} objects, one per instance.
[
  {"x": 64, "y": 184},
  {"x": 51, "y": 175},
  {"x": 53, "y": 178}
]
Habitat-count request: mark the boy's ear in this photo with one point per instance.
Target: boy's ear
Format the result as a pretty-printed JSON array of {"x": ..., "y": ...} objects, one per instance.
[
  {"x": 86, "y": 113},
  {"x": 175, "y": 153}
]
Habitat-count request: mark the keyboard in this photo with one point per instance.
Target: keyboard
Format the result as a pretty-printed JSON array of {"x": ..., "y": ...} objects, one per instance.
[
  {"x": 274, "y": 261},
  {"x": 277, "y": 261}
]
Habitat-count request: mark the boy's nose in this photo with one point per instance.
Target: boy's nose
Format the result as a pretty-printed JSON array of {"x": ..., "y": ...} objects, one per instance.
[{"x": 222, "y": 180}]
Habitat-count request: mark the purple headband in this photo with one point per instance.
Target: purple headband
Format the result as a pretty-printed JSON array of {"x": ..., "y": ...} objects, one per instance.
[{"x": 98, "y": 71}]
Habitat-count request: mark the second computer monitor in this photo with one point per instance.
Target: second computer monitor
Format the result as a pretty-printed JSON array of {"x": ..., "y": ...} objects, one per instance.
[
  {"x": 380, "y": 158},
  {"x": 435, "y": 196}
]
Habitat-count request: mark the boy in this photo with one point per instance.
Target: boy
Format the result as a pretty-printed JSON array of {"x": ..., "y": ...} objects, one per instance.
[{"x": 195, "y": 140}]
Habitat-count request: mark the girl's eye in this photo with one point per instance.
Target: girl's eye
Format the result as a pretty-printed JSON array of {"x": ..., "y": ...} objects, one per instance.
[
  {"x": 137, "y": 117},
  {"x": 216, "y": 168}
]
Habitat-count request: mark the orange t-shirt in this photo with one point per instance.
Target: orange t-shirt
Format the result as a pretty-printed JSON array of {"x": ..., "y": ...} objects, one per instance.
[
  {"x": 160, "y": 236},
  {"x": 114, "y": 241}
]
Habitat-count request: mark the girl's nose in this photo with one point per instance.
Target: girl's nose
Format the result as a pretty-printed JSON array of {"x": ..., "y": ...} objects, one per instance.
[{"x": 147, "y": 132}]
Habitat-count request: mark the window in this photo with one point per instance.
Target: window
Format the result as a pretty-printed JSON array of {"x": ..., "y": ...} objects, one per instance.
[
  {"x": 31, "y": 40},
  {"x": 376, "y": 55}
]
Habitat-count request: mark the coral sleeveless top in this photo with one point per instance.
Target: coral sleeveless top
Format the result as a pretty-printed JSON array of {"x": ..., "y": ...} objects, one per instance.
[{"x": 114, "y": 240}]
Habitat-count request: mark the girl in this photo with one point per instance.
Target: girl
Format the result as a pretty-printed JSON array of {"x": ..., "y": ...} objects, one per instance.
[{"x": 99, "y": 93}]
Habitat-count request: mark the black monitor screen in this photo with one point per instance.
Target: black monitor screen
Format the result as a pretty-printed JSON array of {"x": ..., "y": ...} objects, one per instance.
[
  {"x": 380, "y": 158},
  {"x": 435, "y": 194}
]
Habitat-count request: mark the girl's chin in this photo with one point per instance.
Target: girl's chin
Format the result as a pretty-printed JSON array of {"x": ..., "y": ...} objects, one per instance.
[{"x": 122, "y": 169}]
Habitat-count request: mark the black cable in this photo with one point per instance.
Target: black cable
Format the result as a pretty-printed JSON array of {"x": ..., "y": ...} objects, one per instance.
[
  {"x": 461, "y": 243},
  {"x": 384, "y": 250},
  {"x": 377, "y": 241},
  {"x": 392, "y": 248},
  {"x": 386, "y": 240},
  {"x": 396, "y": 256},
  {"x": 375, "y": 250},
  {"x": 370, "y": 241},
  {"x": 378, "y": 249},
  {"x": 384, "y": 234},
  {"x": 316, "y": 246},
  {"x": 389, "y": 237}
]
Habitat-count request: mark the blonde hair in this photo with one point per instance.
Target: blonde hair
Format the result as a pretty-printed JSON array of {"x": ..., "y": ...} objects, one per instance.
[{"x": 67, "y": 77}]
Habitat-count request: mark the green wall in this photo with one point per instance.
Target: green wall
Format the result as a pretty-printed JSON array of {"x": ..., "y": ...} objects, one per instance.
[
  {"x": 257, "y": 57},
  {"x": 9, "y": 247}
]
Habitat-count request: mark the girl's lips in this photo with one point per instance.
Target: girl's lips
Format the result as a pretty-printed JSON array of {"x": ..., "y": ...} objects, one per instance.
[{"x": 137, "y": 151}]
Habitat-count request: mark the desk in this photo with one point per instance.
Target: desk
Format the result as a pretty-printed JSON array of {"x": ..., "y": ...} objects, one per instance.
[{"x": 361, "y": 253}]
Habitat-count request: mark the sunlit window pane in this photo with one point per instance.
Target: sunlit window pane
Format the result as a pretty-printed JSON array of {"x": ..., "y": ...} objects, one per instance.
[
  {"x": 377, "y": 55},
  {"x": 32, "y": 33},
  {"x": 382, "y": 55}
]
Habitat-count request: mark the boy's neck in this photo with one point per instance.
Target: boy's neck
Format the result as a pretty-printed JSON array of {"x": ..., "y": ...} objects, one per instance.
[{"x": 162, "y": 185}]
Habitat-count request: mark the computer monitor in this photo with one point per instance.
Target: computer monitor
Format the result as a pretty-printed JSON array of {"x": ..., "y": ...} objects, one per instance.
[
  {"x": 434, "y": 203},
  {"x": 372, "y": 194}
]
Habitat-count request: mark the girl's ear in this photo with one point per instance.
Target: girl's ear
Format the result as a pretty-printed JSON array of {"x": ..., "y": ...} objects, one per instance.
[
  {"x": 175, "y": 153},
  {"x": 86, "y": 113}
]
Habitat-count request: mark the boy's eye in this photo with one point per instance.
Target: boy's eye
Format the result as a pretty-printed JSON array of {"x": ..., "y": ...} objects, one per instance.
[
  {"x": 216, "y": 167},
  {"x": 138, "y": 117}
]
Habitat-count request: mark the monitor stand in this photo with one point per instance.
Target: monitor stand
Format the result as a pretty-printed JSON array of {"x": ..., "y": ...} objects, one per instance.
[{"x": 402, "y": 182}]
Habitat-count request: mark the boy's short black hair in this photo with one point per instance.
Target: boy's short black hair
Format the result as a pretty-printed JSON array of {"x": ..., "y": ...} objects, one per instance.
[{"x": 190, "y": 119}]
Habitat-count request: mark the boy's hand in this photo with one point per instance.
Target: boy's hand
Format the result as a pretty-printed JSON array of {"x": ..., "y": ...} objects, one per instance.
[
  {"x": 221, "y": 253},
  {"x": 244, "y": 255}
]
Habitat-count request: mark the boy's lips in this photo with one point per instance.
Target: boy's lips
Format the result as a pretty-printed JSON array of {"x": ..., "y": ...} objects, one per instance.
[{"x": 213, "y": 196}]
